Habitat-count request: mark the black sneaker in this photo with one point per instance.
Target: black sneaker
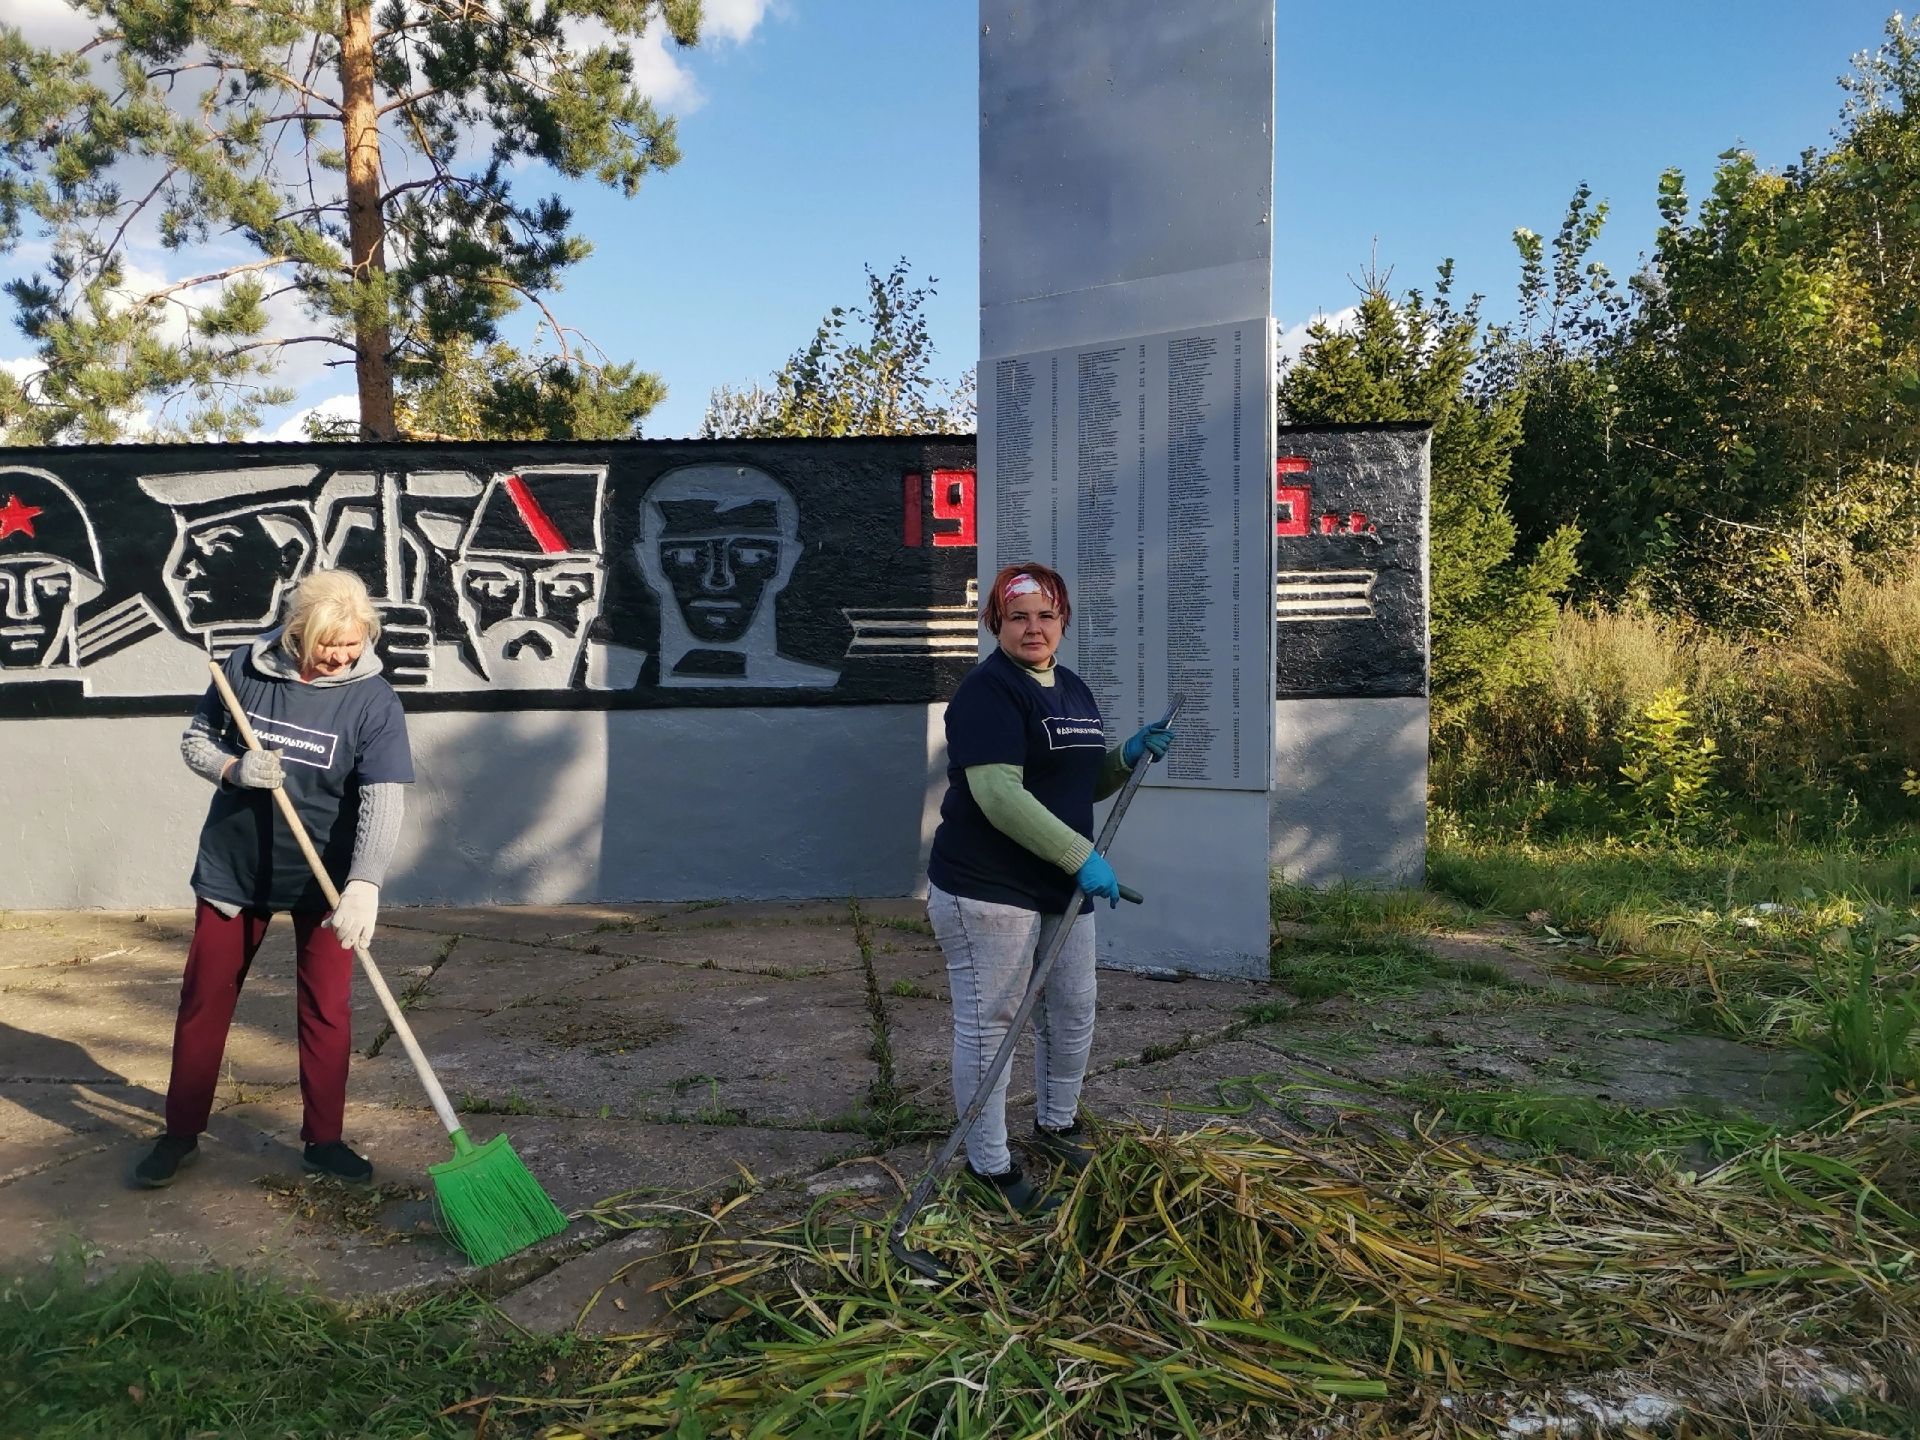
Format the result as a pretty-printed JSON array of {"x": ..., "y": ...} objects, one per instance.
[
  {"x": 335, "y": 1159},
  {"x": 1071, "y": 1147},
  {"x": 170, "y": 1155},
  {"x": 1012, "y": 1189}
]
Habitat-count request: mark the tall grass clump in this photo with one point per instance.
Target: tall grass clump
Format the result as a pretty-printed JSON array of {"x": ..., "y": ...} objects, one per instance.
[{"x": 1810, "y": 729}]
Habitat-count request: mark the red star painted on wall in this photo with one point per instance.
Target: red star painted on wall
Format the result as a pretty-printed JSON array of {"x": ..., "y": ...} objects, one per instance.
[{"x": 17, "y": 515}]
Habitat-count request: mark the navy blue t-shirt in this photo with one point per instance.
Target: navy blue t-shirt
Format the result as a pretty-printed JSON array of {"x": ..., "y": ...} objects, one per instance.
[
  {"x": 332, "y": 740},
  {"x": 1001, "y": 715}
]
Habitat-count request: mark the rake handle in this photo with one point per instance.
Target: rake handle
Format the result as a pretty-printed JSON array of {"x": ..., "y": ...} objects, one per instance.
[
  {"x": 441, "y": 1105},
  {"x": 919, "y": 1260}
]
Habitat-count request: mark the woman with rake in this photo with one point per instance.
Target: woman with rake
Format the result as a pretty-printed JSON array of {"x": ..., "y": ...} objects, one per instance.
[
  {"x": 338, "y": 747},
  {"x": 1027, "y": 759}
]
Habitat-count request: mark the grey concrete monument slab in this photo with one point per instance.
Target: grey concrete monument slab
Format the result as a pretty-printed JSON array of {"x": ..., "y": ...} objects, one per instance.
[
  {"x": 1126, "y": 412},
  {"x": 1350, "y": 791}
]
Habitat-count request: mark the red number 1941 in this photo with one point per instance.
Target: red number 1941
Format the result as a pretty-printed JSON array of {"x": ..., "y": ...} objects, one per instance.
[{"x": 951, "y": 495}]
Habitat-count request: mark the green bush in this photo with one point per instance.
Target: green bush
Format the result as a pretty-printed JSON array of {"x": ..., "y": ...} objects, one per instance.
[
  {"x": 1813, "y": 729},
  {"x": 1668, "y": 770}
]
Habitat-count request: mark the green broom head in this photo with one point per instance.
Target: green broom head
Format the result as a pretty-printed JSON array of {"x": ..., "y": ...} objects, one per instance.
[{"x": 489, "y": 1201}]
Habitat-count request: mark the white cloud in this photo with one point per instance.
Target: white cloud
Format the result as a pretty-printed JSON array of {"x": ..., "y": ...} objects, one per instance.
[
  {"x": 50, "y": 24},
  {"x": 660, "y": 71},
  {"x": 733, "y": 20},
  {"x": 22, "y": 369},
  {"x": 294, "y": 427},
  {"x": 1293, "y": 338}
]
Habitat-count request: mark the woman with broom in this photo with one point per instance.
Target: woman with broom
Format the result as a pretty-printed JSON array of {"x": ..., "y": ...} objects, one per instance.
[
  {"x": 1027, "y": 759},
  {"x": 336, "y": 742}
]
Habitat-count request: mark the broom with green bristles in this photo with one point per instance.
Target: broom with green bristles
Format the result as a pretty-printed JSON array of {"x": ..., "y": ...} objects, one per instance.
[{"x": 488, "y": 1200}]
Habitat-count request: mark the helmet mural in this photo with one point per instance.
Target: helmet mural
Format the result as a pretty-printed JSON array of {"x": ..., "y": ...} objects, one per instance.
[{"x": 49, "y": 568}]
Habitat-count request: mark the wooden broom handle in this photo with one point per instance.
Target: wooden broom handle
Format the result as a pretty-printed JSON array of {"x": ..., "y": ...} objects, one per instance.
[{"x": 441, "y": 1105}]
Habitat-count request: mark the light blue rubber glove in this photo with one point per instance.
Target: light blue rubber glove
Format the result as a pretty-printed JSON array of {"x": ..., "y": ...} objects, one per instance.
[
  {"x": 1096, "y": 877},
  {"x": 1156, "y": 738}
]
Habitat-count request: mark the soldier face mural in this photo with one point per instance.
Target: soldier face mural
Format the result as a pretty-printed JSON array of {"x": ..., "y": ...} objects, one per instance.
[
  {"x": 643, "y": 573},
  {"x": 233, "y": 569},
  {"x": 49, "y": 567},
  {"x": 528, "y": 581},
  {"x": 717, "y": 546}
]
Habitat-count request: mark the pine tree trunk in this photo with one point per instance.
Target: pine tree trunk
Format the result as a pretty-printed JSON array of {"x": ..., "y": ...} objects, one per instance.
[{"x": 366, "y": 226}]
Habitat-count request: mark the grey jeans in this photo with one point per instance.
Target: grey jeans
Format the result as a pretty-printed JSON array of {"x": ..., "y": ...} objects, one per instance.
[{"x": 991, "y": 951}]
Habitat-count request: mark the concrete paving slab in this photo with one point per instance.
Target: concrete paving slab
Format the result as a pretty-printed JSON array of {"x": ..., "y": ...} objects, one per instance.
[
  {"x": 662, "y": 1040},
  {"x": 604, "y": 1293},
  {"x": 488, "y": 975},
  {"x": 788, "y": 951},
  {"x": 526, "y": 924},
  {"x": 1137, "y": 1017},
  {"x": 29, "y": 937},
  {"x": 44, "y": 1123},
  {"x": 248, "y": 1203},
  {"x": 1265, "y": 1089},
  {"x": 706, "y": 915},
  {"x": 76, "y": 1031}
]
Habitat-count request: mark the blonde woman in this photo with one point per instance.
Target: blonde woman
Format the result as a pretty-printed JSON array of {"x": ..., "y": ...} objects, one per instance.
[{"x": 336, "y": 742}]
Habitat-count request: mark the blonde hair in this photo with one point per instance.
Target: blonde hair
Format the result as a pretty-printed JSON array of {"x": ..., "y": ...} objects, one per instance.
[{"x": 326, "y": 605}]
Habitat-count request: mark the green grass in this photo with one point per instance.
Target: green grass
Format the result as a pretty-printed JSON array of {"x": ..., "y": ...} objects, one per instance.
[
  {"x": 147, "y": 1352},
  {"x": 1371, "y": 973},
  {"x": 1768, "y": 943},
  {"x": 1550, "y": 1124},
  {"x": 1363, "y": 913}
]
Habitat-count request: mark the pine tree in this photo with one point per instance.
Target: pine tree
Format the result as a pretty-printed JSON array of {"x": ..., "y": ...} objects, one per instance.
[{"x": 358, "y": 160}]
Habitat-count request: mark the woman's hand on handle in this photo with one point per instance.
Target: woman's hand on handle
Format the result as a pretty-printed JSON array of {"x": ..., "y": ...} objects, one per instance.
[
  {"x": 1154, "y": 739},
  {"x": 1096, "y": 877},
  {"x": 256, "y": 770},
  {"x": 353, "y": 918}
]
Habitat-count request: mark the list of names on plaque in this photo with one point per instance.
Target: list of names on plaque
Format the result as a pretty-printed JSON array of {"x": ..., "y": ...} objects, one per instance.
[
  {"x": 1013, "y": 454},
  {"x": 1098, "y": 552},
  {"x": 1152, "y": 453},
  {"x": 1193, "y": 525}
]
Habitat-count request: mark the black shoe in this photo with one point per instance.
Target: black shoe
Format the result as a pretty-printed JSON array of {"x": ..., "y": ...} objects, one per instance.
[
  {"x": 335, "y": 1159},
  {"x": 170, "y": 1155},
  {"x": 1071, "y": 1147},
  {"x": 1012, "y": 1189}
]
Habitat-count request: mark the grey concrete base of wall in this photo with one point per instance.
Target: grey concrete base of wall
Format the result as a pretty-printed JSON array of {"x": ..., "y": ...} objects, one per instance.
[
  {"x": 1349, "y": 797},
  {"x": 551, "y": 807},
  {"x": 534, "y": 807}
]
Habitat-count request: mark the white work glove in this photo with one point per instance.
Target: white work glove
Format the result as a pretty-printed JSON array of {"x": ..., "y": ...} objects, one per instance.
[
  {"x": 352, "y": 920},
  {"x": 257, "y": 770}
]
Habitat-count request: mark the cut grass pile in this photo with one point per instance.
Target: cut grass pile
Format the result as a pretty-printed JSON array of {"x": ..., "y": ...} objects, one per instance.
[{"x": 1223, "y": 1284}]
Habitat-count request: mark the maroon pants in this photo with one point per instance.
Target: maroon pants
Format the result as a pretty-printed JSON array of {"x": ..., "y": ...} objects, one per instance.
[{"x": 217, "y": 963}]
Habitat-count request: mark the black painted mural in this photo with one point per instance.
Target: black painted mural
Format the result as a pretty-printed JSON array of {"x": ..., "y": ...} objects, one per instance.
[
  {"x": 634, "y": 574},
  {"x": 1350, "y": 569},
  {"x": 628, "y": 575}
]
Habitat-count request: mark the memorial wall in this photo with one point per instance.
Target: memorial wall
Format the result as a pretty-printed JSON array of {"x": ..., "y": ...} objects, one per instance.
[
  {"x": 670, "y": 670},
  {"x": 634, "y": 671},
  {"x": 615, "y": 576}
]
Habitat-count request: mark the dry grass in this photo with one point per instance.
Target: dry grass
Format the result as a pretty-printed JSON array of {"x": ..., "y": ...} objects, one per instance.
[{"x": 1224, "y": 1284}]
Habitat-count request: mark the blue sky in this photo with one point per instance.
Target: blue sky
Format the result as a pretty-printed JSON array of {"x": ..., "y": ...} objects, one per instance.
[{"x": 819, "y": 135}]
